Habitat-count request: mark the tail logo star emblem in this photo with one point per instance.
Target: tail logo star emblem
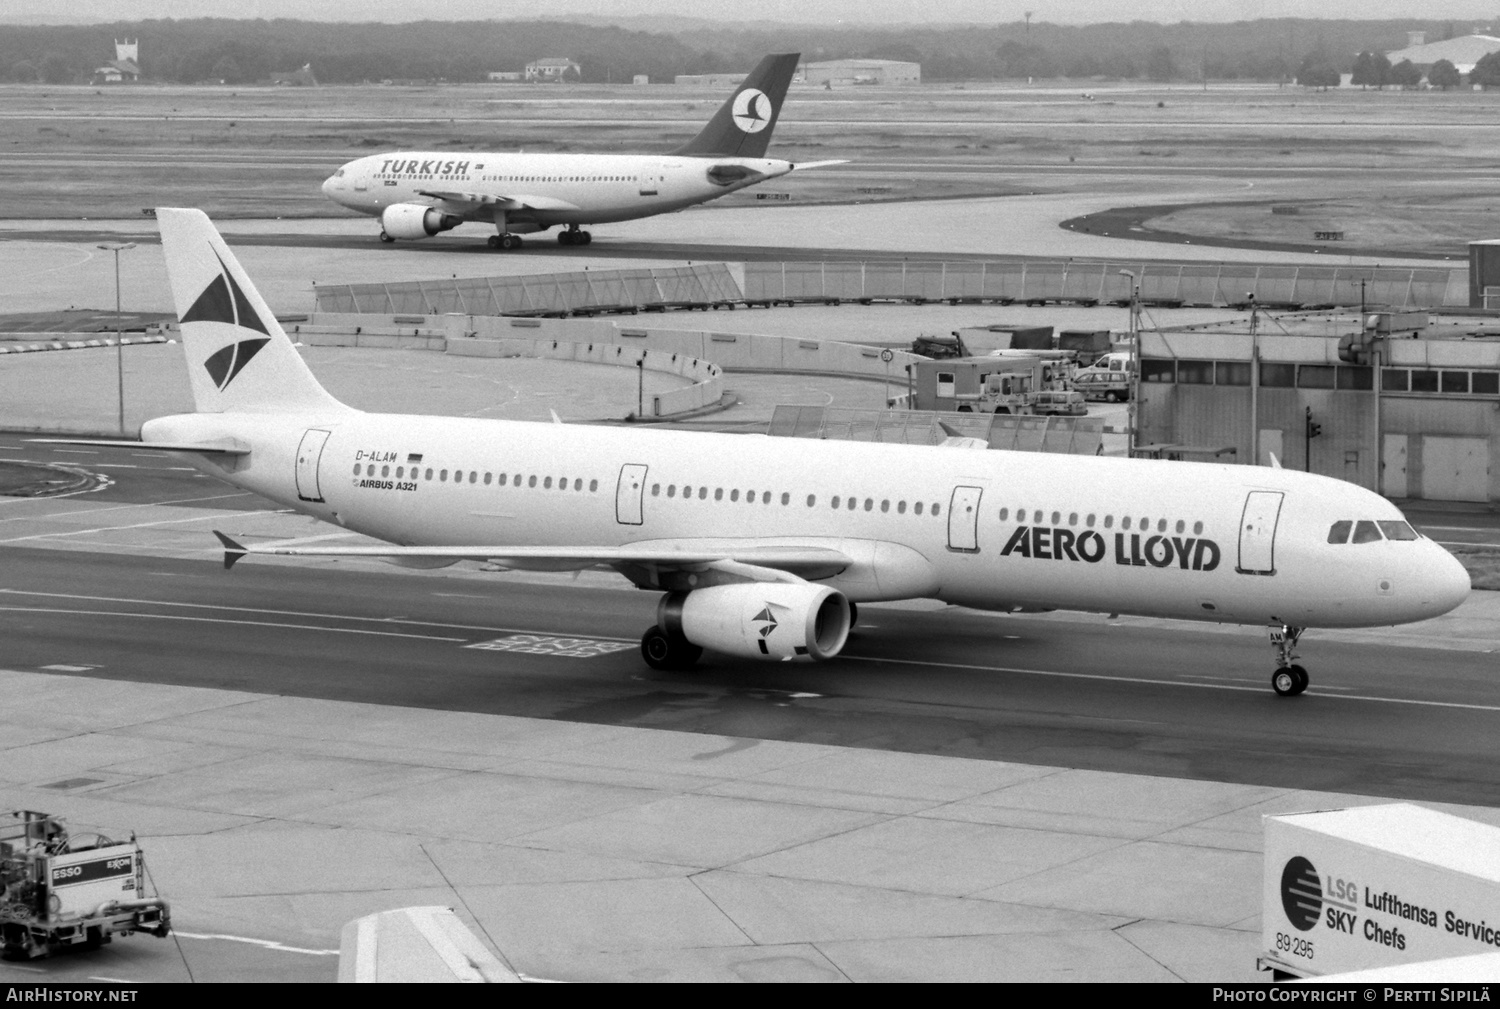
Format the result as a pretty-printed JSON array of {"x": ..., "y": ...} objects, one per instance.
[
  {"x": 752, "y": 110},
  {"x": 223, "y": 301}
]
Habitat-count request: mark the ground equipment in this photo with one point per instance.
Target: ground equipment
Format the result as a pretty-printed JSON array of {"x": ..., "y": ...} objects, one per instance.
[{"x": 59, "y": 889}]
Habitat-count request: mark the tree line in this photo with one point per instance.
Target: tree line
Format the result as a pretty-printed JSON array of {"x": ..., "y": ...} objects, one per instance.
[{"x": 245, "y": 51}]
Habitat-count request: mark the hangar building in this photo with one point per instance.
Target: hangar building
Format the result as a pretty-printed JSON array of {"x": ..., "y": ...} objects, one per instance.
[
  {"x": 1429, "y": 427},
  {"x": 1463, "y": 52},
  {"x": 846, "y": 72}
]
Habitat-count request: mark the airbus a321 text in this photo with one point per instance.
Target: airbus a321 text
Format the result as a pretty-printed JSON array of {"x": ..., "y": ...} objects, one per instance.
[
  {"x": 417, "y": 194},
  {"x": 760, "y": 546}
]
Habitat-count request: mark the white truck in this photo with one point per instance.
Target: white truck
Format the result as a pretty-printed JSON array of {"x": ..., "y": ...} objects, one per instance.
[
  {"x": 1376, "y": 886},
  {"x": 59, "y": 889}
]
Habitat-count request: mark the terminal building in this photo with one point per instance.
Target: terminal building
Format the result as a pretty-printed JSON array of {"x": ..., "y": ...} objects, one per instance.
[
  {"x": 1388, "y": 401},
  {"x": 842, "y": 73}
]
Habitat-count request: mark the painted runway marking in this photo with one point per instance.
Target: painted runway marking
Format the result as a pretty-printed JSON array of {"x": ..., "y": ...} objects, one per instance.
[
  {"x": 224, "y": 620},
  {"x": 1058, "y": 674},
  {"x": 294, "y": 613},
  {"x": 267, "y": 943},
  {"x": 137, "y": 525},
  {"x": 538, "y": 644}
]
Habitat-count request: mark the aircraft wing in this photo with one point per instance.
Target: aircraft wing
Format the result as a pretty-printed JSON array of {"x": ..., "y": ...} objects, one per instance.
[
  {"x": 475, "y": 200},
  {"x": 204, "y": 448},
  {"x": 745, "y": 560}
]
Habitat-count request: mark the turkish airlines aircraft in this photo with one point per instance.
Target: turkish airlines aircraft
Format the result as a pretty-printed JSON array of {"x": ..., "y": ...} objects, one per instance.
[
  {"x": 761, "y": 546},
  {"x": 417, "y": 194}
]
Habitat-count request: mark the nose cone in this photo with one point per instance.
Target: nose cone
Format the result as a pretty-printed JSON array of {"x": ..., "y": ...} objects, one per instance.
[
  {"x": 328, "y": 186},
  {"x": 1446, "y": 582}
]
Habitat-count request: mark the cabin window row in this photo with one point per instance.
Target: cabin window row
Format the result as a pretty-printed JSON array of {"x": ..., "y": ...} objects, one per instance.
[
  {"x": 1447, "y": 381},
  {"x": 1366, "y": 531},
  {"x": 837, "y": 502},
  {"x": 459, "y": 476},
  {"x": 1127, "y": 522}
]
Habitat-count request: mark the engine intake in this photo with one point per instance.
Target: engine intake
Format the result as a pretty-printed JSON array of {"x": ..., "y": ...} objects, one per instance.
[
  {"x": 760, "y": 620},
  {"x": 415, "y": 220}
]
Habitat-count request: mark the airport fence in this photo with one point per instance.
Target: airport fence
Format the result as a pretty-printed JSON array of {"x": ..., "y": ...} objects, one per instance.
[
  {"x": 1208, "y": 284},
  {"x": 591, "y": 291},
  {"x": 1063, "y": 435}
]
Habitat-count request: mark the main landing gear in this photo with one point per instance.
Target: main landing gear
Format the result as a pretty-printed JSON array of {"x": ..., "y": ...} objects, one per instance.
[
  {"x": 1289, "y": 679},
  {"x": 572, "y": 236},
  {"x": 506, "y": 242},
  {"x": 668, "y": 652}
]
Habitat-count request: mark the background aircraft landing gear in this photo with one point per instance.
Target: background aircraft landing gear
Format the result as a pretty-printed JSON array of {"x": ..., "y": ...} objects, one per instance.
[
  {"x": 668, "y": 651},
  {"x": 1289, "y": 679},
  {"x": 572, "y": 236},
  {"x": 387, "y": 239},
  {"x": 506, "y": 242}
]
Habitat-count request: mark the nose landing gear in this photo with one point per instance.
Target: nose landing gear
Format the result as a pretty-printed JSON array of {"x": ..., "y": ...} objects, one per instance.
[
  {"x": 1289, "y": 679},
  {"x": 666, "y": 651}
]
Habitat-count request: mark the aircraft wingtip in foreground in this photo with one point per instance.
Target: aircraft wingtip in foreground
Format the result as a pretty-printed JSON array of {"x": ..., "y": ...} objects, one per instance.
[
  {"x": 418, "y": 194},
  {"x": 761, "y": 552}
]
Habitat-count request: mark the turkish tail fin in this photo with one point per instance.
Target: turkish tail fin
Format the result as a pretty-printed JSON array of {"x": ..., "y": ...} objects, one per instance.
[
  {"x": 238, "y": 356},
  {"x": 742, "y": 126}
]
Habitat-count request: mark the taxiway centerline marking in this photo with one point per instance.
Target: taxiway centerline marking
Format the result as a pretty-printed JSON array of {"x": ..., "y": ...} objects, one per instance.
[
  {"x": 1059, "y": 674},
  {"x": 138, "y": 525},
  {"x": 224, "y": 620},
  {"x": 297, "y": 613},
  {"x": 267, "y": 943}
]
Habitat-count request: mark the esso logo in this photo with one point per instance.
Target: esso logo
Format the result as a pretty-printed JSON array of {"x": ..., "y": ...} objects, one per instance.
[
  {"x": 67, "y": 872},
  {"x": 752, "y": 110}
]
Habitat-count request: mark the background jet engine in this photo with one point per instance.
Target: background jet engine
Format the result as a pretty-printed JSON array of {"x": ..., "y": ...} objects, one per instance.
[
  {"x": 414, "y": 220},
  {"x": 760, "y": 620}
]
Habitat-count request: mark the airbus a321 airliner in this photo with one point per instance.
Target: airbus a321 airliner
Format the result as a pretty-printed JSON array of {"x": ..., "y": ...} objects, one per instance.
[
  {"x": 760, "y": 546},
  {"x": 418, "y": 194}
]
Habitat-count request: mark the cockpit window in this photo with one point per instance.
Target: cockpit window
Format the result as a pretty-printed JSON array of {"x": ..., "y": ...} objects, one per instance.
[
  {"x": 1339, "y": 533},
  {"x": 1365, "y": 531},
  {"x": 1397, "y": 530},
  {"x": 339, "y": 174}
]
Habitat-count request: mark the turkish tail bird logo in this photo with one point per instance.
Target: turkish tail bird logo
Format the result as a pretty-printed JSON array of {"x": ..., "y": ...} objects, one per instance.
[
  {"x": 223, "y": 301},
  {"x": 752, "y": 110}
]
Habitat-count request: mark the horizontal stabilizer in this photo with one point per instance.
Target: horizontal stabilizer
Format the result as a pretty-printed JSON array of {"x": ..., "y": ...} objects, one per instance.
[
  {"x": 804, "y": 165},
  {"x": 202, "y": 448},
  {"x": 232, "y": 550}
]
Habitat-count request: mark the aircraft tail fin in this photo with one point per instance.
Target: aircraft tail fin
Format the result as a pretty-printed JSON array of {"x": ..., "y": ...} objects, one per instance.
[
  {"x": 239, "y": 357},
  {"x": 742, "y": 126}
]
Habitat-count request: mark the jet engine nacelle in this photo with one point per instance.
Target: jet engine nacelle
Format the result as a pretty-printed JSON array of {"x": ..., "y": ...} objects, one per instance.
[
  {"x": 760, "y": 620},
  {"x": 414, "y": 220}
]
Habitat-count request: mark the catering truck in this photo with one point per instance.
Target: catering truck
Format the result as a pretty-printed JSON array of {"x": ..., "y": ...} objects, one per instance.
[{"x": 1356, "y": 889}]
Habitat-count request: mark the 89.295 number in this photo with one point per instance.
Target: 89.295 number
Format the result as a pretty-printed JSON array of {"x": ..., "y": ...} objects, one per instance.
[{"x": 1294, "y": 946}]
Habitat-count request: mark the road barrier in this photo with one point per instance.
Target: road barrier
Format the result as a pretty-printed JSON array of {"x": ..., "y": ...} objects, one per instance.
[
  {"x": 705, "y": 285},
  {"x": 1209, "y": 284}
]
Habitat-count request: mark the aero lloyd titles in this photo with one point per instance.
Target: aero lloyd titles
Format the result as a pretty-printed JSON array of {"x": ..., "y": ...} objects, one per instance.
[{"x": 1189, "y": 553}]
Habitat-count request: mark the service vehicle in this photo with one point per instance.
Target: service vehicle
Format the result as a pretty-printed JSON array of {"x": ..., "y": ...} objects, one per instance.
[
  {"x": 1059, "y": 402},
  {"x": 59, "y": 889},
  {"x": 1092, "y": 383}
]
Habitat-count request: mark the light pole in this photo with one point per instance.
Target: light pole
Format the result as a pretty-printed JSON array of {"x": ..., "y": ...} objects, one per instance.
[
  {"x": 1133, "y": 412},
  {"x": 117, "y": 248}
]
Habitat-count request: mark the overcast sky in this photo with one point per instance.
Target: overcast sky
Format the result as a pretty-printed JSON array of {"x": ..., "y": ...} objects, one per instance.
[{"x": 786, "y": 11}]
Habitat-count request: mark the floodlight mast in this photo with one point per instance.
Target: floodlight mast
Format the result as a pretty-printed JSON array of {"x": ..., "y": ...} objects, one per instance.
[
  {"x": 117, "y": 248},
  {"x": 1133, "y": 411}
]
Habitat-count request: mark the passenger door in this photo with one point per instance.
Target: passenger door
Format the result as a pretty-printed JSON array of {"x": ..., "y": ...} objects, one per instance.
[
  {"x": 651, "y": 179},
  {"x": 1258, "y": 533},
  {"x": 309, "y": 454},
  {"x": 963, "y": 519},
  {"x": 629, "y": 494}
]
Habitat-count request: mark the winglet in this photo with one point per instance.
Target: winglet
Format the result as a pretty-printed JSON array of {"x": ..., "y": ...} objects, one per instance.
[{"x": 232, "y": 550}]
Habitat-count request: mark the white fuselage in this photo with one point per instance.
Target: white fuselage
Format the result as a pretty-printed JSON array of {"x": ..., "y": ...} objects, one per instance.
[
  {"x": 988, "y": 529},
  {"x": 543, "y": 190}
]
